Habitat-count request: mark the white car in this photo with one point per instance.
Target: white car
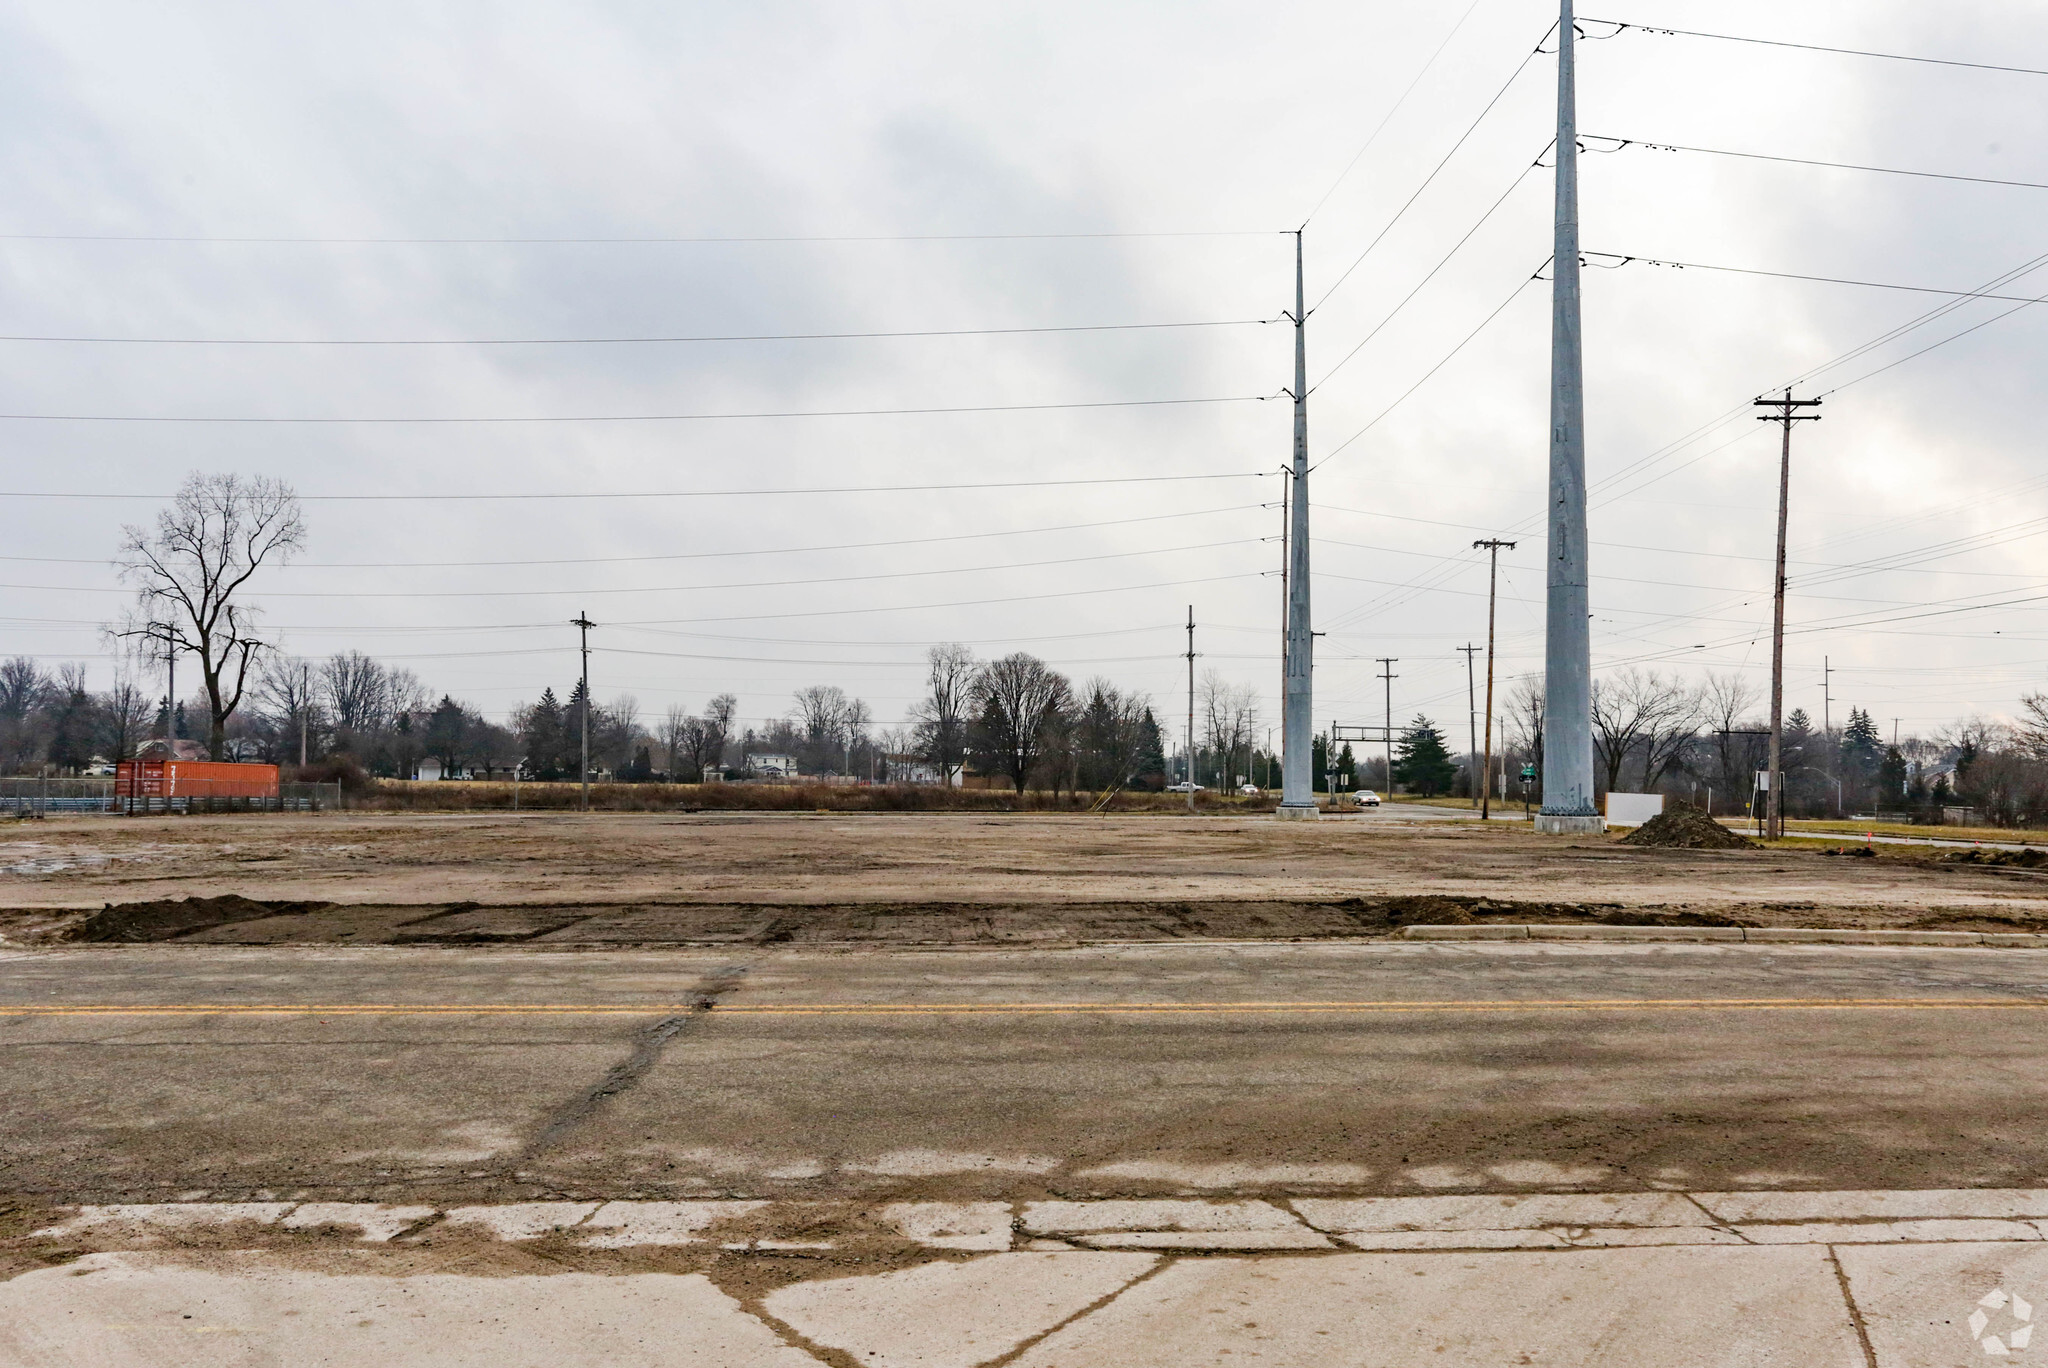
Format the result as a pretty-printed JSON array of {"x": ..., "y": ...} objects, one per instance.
[
  {"x": 1185, "y": 787},
  {"x": 1367, "y": 798},
  {"x": 1248, "y": 790}
]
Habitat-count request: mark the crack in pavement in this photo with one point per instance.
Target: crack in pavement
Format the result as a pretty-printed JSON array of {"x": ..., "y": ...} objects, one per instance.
[{"x": 625, "y": 1075}]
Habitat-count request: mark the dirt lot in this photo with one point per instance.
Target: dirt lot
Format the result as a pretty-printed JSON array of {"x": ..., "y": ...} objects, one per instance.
[{"x": 623, "y": 879}]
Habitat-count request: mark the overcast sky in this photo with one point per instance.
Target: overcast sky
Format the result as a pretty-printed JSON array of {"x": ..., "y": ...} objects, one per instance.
[{"x": 1216, "y": 126}]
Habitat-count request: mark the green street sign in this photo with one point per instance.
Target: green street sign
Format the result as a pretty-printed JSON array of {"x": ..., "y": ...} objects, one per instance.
[{"x": 1528, "y": 771}]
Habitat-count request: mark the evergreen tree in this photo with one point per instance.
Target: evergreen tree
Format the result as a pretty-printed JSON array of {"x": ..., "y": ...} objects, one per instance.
[
  {"x": 447, "y": 735},
  {"x": 1151, "y": 748},
  {"x": 1319, "y": 763},
  {"x": 1804, "y": 788},
  {"x": 543, "y": 736},
  {"x": 1347, "y": 767},
  {"x": 1861, "y": 746},
  {"x": 71, "y": 729},
  {"x": 1891, "y": 779},
  {"x": 1421, "y": 759}
]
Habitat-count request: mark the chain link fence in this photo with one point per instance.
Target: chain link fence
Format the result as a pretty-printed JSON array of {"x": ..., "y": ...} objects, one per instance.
[{"x": 37, "y": 797}]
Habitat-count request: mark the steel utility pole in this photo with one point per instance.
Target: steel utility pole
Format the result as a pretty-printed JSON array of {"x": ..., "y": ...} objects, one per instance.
[
  {"x": 1191, "y": 708},
  {"x": 1471, "y": 727},
  {"x": 583, "y": 624},
  {"x": 1774, "y": 802},
  {"x": 305, "y": 708},
  {"x": 1387, "y": 673},
  {"x": 1568, "y": 645},
  {"x": 1493, "y": 546},
  {"x": 1297, "y": 726}
]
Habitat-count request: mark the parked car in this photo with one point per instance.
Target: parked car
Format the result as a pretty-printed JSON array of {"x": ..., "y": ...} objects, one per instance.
[{"x": 1367, "y": 798}]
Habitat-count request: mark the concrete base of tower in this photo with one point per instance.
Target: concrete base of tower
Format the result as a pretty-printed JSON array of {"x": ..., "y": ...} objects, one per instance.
[
  {"x": 1302, "y": 812},
  {"x": 1569, "y": 824}
]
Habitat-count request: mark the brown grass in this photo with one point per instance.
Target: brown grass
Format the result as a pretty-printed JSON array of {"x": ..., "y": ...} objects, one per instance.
[{"x": 398, "y": 795}]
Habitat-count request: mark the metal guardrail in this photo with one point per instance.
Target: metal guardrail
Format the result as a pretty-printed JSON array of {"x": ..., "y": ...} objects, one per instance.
[{"x": 40, "y": 796}]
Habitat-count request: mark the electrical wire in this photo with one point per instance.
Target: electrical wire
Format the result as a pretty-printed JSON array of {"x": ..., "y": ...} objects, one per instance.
[
  {"x": 674, "y": 588},
  {"x": 622, "y": 341},
  {"x": 1498, "y": 309},
  {"x": 1513, "y": 185},
  {"x": 695, "y": 555},
  {"x": 627, "y": 417},
  {"x": 625, "y": 241},
  {"x": 1381, "y": 127},
  {"x": 1520, "y": 67},
  {"x": 1624, "y": 260},
  {"x": 683, "y": 493},
  {"x": 1661, "y": 31},
  {"x": 1811, "y": 161}
]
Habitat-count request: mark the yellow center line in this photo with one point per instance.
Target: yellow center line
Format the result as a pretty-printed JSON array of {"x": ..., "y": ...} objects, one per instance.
[{"x": 913, "y": 1009}]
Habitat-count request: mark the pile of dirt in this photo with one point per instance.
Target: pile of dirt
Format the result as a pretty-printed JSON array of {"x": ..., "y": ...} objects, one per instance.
[
  {"x": 2027, "y": 858},
  {"x": 1684, "y": 827},
  {"x": 169, "y": 917}
]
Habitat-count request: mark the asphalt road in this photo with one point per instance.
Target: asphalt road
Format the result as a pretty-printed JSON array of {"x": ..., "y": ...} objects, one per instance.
[{"x": 151, "y": 1073}]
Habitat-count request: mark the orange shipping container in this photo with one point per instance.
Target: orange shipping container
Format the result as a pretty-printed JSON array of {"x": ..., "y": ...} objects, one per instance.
[{"x": 193, "y": 779}]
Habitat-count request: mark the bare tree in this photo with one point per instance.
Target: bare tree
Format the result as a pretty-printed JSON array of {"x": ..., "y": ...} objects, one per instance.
[
  {"x": 708, "y": 751},
  {"x": 2030, "y": 730},
  {"x": 1629, "y": 710},
  {"x": 941, "y": 715},
  {"x": 1230, "y": 715},
  {"x": 673, "y": 734},
  {"x": 1525, "y": 718},
  {"x": 1672, "y": 733},
  {"x": 1018, "y": 702},
  {"x": 125, "y": 714},
  {"x": 356, "y": 691},
  {"x": 1725, "y": 703},
  {"x": 1110, "y": 735},
  {"x": 287, "y": 694},
  {"x": 189, "y": 572},
  {"x": 24, "y": 690}
]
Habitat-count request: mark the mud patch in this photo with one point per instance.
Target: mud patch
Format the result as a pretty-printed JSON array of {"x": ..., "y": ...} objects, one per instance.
[
  {"x": 2028, "y": 858},
  {"x": 168, "y": 918}
]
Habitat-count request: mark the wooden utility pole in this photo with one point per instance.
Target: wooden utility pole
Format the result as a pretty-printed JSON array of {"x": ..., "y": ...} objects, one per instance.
[
  {"x": 1387, "y": 664},
  {"x": 1191, "y": 708},
  {"x": 1774, "y": 802},
  {"x": 1471, "y": 725},
  {"x": 583, "y": 624},
  {"x": 1492, "y": 546}
]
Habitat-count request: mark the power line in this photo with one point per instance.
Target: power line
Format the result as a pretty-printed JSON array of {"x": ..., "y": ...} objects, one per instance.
[
  {"x": 625, "y": 417},
  {"x": 1381, "y": 127},
  {"x": 681, "y": 493},
  {"x": 1513, "y": 185},
  {"x": 1811, "y": 161},
  {"x": 1622, "y": 259},
  {"x": 1662, "y": 32},
  {"x": 1520, "y": 67},
  {"x": 675, "y": 588},
  {"x": 621, "y": 241},
  {"x": 1513, "y": 295},
  {"x": 624, "y": 341},
  {"x": 694, "y": 555}
]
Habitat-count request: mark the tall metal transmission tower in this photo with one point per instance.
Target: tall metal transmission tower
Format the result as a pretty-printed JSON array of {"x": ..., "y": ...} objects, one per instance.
[
  {"x": 1568, "y": 644},
  {"x": 1297, "y": 725}
]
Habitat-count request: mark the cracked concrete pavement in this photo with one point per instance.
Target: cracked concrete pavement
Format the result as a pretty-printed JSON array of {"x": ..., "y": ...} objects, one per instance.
[{"x": 1381, "y": 1151}]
